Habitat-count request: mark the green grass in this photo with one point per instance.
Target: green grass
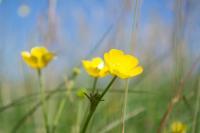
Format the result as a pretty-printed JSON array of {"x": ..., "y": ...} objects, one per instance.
[{"x": 154, "y": 100}]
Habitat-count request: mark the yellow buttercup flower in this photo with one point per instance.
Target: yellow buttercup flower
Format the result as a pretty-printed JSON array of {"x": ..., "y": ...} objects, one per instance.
[
  {"x": 122, "y": 65},
  {"x": 38, "y": 58},
  {"x": 178, "y": 127},
  {"x": 95, "y": 67}
]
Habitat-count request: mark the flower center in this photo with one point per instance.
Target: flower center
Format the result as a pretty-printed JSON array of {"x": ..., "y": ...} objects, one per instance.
[{"x": 100, "y": 66}]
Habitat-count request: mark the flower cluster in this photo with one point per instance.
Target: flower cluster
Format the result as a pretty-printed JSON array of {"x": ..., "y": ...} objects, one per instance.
[{"x": 116, "y": 63}]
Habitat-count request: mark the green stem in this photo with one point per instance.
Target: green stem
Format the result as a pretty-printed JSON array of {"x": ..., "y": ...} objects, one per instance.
[
  {"x": 107, "y": 88},
  {"x": 58, "y": 114},
  {"x": 125, "y": 105},
  {"x": 197, "y": 110},
  {"x": 93, "y": 109},
  {"x": 87, "y": 121},
  {"x": 79, "y": 112},
  {"x": 44, "y": 106},
  {"x": 94, "y": 84},
  {"x": 62, "y": 105}
]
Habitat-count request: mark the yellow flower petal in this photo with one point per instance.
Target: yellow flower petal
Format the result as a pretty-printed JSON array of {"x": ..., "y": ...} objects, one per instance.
[
  {"x": 112, "y": 56},
  {"x": 48, "y": 57},
  {"x": 115, "y": 52},
  {"x": 136, "y": 71},
  {"x": 178, "y": 127},
  {"x": 30, "y": 60},
  {"x": 130, "y": 61},
  {"x": 96, "y": 62},
  {"x": 122, "y": 65},
  {"x": 38, "y": 51},
  {"x": 38, "y": 58},
  {"x": 86, "y": 64},
  {"x": 95, "y": 67}
]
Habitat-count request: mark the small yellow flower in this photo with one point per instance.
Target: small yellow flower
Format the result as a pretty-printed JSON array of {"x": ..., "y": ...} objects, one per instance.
[
  {"x": 178, "y": 127},
  {"x": 95, "y": 67},
  {"x": 38, "y": 58},
  {"x": 122, "y": 65}
]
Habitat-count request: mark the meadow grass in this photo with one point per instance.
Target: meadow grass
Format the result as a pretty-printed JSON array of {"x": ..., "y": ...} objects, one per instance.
[{"x": 153, "y": 100}]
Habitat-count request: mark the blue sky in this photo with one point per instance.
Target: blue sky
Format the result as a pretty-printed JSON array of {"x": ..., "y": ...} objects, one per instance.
[
  {"x": 17, "y": 33},
  {"x": 13, "y": 24}
]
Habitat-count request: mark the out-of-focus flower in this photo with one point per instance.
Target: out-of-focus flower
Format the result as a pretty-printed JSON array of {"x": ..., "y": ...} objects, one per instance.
[
  {"x": 95, "y": 67},
  {"x": 76, "y": 71},
  {"x": 178, "y": 127},
  {"x": 122, "y": 65},
  {"x": 81, "y": 93},
  {"x": 23, "y": 10},
  {"x": 38, "y": 58}
]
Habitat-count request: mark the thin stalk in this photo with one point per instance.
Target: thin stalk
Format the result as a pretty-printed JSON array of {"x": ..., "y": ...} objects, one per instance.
[
  {"x": 134, "y": 28},
  {"x": 58, "y": 114},
  {"x": 110, "y": 126},
  {"x": 61, "y": 107},
  {"x": 94, "y": 84},
  {"x": 197, "y": 111},
  {"x": 177, "y": 97},
  {"x": 125, "y": 105},
  {"x": 107, "y": 88},
  {"x": 60, "y": 88},
  {"x": 94, "y": 106},
  {"x": 78, "y": 117},
  {"x": 88, "y": 120},
  {"x": 43, "y": 96}
]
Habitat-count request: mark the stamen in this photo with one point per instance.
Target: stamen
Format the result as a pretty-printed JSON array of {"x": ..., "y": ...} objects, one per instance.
[{"x": 100, "y": 66}]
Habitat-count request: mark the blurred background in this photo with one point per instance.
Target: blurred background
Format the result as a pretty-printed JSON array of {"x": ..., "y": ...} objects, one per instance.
[{"x": 163, "y": 34}]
